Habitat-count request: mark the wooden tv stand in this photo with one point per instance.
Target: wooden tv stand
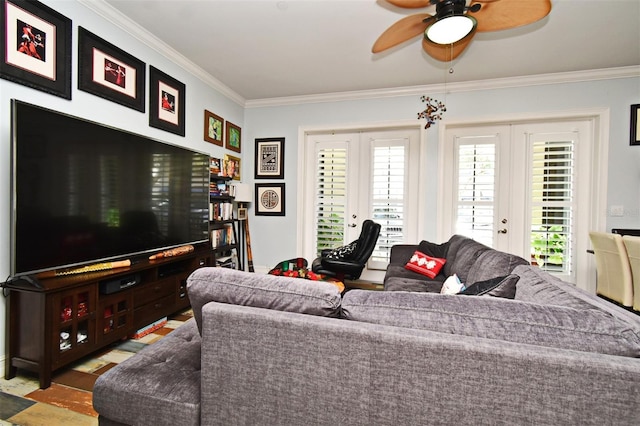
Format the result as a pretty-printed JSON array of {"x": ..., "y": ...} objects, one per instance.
[{"x": 54, "y": 322}]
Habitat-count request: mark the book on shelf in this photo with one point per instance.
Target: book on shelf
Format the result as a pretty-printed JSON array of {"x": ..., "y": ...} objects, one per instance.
[
  {"x": 222, "y": 237},
  {"x": 227, "y": 262},
  {"x": 220, "y": 211}
]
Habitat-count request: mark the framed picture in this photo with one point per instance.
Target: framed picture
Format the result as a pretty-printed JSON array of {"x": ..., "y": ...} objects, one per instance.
[
  {"x": 166, "y": 102},
  {"x": 233, "y": 137},
  {"x": 36, "y": 48},
  {"x": 635, "y": 130},
  {"x": 109, "y": 72},
  {"x": 213, "y": 127},
  {"x": 270, "y": 199},
  {"x": 214, "y": 166},
  {"x": 231, "y": 167},
  {"x": 269, "y": 158}
]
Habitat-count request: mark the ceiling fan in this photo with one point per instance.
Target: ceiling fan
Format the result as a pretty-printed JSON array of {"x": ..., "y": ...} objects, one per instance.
[{"x": 447, "y": 33}]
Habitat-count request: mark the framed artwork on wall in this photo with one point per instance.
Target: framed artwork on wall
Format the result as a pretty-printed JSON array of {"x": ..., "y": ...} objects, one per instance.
[
  {"x": 36, "y": 48},
  {"x": 269, "y": 199},
  {"x": 109, "y": 72},
  {"x": 166, "y": 102},
  {"x": 231, "y": 167},
  {"x": 213, "y": 128},
  {"x": 233, "y": 137},
  {"x": 635, "y": 130},
  {"x": 269, "y": 161}
]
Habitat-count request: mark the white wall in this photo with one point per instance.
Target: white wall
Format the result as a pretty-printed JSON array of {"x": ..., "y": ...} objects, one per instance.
[
  {"x": 199, "y": 96},
  {"x": 274, "y": 238}
]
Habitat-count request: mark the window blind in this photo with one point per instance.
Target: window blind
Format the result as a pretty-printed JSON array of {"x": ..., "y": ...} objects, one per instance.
[
  {"x": 552, "y": 201},
  {"x": 331, "y": 187},
  {"x": 476, "y": 191}
]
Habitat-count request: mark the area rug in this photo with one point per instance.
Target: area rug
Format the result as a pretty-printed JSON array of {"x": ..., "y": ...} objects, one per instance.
[{"x": 68, "y": 401}]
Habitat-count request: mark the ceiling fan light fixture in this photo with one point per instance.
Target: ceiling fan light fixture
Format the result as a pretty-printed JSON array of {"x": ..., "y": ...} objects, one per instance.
[{"x": 450, "y": 29}]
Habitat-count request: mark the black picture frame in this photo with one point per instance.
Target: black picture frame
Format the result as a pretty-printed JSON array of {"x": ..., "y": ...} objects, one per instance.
[
  {"x": 109, "y": 72},
  {"x": 635, "y": 130},
  {"x": 270, "y": 199},
  {"x": 166, "y": 113},
  {"x": 36, "y": 48},
  {"x": 269, "y": 161}
]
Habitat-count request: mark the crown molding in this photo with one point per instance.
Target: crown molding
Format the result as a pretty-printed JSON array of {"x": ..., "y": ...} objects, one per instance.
[
  {"x": 464, "y": 86},
  {"x": 123, "y": 22}
]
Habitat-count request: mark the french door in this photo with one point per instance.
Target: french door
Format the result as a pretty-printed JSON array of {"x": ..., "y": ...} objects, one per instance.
[
  {"x": 352, "y": 176},
  {"x": 514, "y": 187}
]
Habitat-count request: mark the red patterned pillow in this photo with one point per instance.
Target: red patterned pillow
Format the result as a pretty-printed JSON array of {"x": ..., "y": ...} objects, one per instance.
[{"x": 425, "y": 265}]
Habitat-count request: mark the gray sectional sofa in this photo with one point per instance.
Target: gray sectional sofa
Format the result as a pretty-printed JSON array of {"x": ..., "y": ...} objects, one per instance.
[
  {"x": 267, "y": 350},
  {"x": 470, "y": 260}
]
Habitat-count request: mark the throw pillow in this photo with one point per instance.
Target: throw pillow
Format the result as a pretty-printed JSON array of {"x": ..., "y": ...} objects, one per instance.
[
  {"x": 425, "y": 265},
  {"x": 344, "y": 252},
  {"x": 498, "y": 287},
  {"x": 452, "y": 285}
]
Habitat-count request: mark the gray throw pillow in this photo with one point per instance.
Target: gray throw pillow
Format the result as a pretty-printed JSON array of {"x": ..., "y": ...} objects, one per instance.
[
  {"x": 496, "y": 318},
  {"x": 226, "y": 285},
  {"x": 504, "y": 287}
]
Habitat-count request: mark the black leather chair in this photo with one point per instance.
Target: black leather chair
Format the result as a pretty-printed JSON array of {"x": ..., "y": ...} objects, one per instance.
[{"x": 347, "y": 262}]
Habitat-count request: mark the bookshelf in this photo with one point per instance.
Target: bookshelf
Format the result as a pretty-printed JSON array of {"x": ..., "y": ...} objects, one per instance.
[{"x": 222, "y": 223}]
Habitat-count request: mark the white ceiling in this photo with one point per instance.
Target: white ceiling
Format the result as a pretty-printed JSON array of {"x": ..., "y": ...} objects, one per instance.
[{"x": 268, "y": 49}]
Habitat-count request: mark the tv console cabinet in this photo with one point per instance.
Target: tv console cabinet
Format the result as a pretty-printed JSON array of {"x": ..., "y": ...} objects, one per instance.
[{"x": 54, "y": 322}]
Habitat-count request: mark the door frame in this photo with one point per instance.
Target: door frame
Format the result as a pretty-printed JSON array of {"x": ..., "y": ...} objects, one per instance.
[
  {"x": 305, "y": 206},
  {"x": 599, "y": 119}
]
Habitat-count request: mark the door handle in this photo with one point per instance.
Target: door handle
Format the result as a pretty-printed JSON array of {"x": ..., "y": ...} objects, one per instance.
[
  {"x": 352, "y": 225},
  {"x": 502, "y": 231}
]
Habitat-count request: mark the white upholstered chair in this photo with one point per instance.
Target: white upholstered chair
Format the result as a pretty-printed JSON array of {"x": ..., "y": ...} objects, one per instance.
[
  {"x": 632, "y": 245},
  {"x": 614, "y": 280}
]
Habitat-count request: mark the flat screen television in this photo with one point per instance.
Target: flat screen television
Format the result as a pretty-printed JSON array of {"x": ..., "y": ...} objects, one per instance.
[{"x": 84, "y": 193}]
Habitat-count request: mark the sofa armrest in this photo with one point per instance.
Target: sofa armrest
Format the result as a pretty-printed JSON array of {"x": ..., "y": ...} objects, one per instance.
[{"x": 266, "y": 367}]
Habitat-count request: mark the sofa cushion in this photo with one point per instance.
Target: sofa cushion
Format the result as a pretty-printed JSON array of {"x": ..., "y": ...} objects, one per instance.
[
  {"x": 493, "y": 263},
  {"x": 498, "y": 287},
  {"x": 162, "y": 381},
  {"x": 496, "y": 318},
  {"x": 462, "y": 255},
  {"x": 261, "y": 291},
  {"x": 425, "y": 265}
]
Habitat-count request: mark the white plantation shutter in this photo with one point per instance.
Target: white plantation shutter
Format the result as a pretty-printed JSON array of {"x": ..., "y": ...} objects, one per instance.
[
  {"x": 552, "y": 204},
  {"x": 388, "y": 196},
  {"x": 331, "y": 201},
  {"x": 476, "y": 191}
]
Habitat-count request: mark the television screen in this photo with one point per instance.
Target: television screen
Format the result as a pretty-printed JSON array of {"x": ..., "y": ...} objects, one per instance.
[{"x": 84, "y": 192}]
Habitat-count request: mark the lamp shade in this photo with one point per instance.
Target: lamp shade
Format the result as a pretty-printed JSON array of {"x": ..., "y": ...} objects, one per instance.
[
  {"x": 450, "y": 29},
  {"x": 243, "y": 193}
]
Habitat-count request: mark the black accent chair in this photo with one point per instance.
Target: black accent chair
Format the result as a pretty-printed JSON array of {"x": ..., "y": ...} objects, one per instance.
[{"x": 347, "y": 262}]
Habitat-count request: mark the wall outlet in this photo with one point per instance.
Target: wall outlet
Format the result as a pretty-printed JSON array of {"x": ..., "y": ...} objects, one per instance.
[{"x": 616, "y": 210}]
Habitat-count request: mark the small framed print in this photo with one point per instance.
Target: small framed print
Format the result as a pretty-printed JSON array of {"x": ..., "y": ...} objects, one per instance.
[
  {"x": 269, "y": 158},
  {"x": 233, "y": 137},
  {"x": 231, "y": 167},
  {"x": 109, "y": 72},
  {"x": 270, "y": 199},
  {"x": 166, "y": 102},
  {"x": 635, "y": 119},
  {"x": 214, "y": 166},
  {"x": 213, "y": 128},
  {"x": 36, "y": 47}
]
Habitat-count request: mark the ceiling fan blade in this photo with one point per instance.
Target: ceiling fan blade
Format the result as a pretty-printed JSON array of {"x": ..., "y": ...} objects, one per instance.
[
  {"x": 410, "y": 4},
  {"x": 446, "y": 52},
  {"x": 403, "y": 30},
  {"x": 506, "y": 14}
]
